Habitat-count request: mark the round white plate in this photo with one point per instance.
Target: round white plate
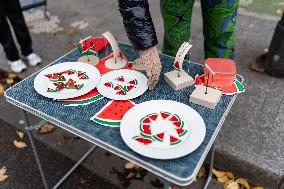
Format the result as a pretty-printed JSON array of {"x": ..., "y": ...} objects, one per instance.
[
  {"x": 110, "y": 82},
  {"x": 42, "y": 83},
  {"x": 193, "y": 123}
]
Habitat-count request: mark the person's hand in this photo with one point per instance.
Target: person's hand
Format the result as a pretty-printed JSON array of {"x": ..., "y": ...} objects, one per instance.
[{"x": 151, "y": 60}]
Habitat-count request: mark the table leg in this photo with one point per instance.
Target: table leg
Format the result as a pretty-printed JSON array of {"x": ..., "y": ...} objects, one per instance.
[
  {"x": 211, "y": 163},
  {"x": 28, "y": 129},
  {"x": 29, "y": 133},
  {"x": 74, "y": 167}
]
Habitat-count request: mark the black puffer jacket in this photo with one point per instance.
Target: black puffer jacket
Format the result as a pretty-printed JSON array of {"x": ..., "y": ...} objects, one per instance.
[{"x": 138, "y": 23}]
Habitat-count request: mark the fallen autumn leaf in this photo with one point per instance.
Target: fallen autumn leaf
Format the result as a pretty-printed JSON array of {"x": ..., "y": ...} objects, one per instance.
[
  {"x": 129, "y": 165},
  {"x": 2, "y": 89},
  {"x": 70, "y": 47},
  {"x": 231, "y": 185},
  {"x": 20, "y": 144},
  {"x": 20, "y": 134},
  {"x": 223, "y": 179},
  {"x": 218, "y": 174},
  {"x": 243, "y": 182},
  {"x": 3, "y": 175},
  {"x": 230, "y": 175},
  {"x": 71, "y": 31},
  {"x": 46, "y": 128},
  {"x": 12, "y": 75}
]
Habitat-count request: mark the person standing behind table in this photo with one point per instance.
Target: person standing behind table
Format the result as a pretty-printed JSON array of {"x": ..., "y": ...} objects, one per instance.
[
  {"x": 219, "y": 20},
  {"x": 11, "y": 10},
  {"x": 272, "y": 62}
]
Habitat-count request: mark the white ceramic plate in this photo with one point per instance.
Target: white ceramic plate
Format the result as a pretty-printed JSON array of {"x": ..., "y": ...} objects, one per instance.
[
  {"x": 190, "y": 138},
  {"x": 42, "y": 83},
  {"x": 122, "y": 84}
]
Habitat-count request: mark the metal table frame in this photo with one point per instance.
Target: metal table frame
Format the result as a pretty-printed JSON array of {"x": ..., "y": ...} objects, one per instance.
[
  {"x": 167, "y": 181},
  {"x": 29, "y": 128}
]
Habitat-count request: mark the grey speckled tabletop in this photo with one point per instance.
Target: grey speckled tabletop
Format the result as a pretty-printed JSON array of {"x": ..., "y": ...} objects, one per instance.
[{"x": 76, "y": 119}]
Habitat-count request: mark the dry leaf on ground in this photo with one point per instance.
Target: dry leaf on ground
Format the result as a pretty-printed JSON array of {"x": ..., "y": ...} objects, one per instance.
[
  {"x": 71, "y": 31},
  {"x": 10, "y": 81},
  {"x": 231, "y": 185},
  {"x": 129, "y": 165},
  {"x": 2, "y": 89},
  {"x": 12, "y": 75},
  {"x": 243, "y": 182},
  {"x": 218, "y": 174},
  {"x": 70, "y": 47},
  {"x": 20, "y": 144},
  {"x": 20, "y": 134},
  {"x": 3, "y": 175},
  {"x": 46, "y": 128},
  {"x": 201, "y": 172},
  {"x": 230, "y": 175},
  {"x": 223, "y": 179}
]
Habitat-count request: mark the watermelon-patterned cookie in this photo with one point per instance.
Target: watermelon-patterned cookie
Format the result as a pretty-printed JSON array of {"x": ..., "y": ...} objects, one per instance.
[
  {"x": 63, "y": 80},
  {"x": 164, "y": 129},
  {"x": 174, "y": 140},
  {"x": 121, "y": 79},
  {"x": 133, "y": 82},
  {"x": 143, "y": 140},
  {"x": 109, "y": 84}
]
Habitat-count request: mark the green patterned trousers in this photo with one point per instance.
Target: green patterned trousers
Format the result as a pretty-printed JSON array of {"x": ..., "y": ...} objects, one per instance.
[{"x": 219, "y": 20}]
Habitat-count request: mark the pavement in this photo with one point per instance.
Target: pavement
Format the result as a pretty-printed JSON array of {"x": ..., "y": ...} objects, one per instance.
[{"x": 251, "y": 141}]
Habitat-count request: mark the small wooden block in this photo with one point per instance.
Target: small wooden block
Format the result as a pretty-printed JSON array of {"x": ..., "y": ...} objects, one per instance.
[
  {"x": 176, "y": 82},
  {"x": 209, "y": 100},
  {"x": 120, "y": 63},
  {"x": 138, "y": 65},
  {"x": 90, "y": 59}
]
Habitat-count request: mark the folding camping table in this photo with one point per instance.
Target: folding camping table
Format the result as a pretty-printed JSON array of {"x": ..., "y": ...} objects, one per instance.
[{"x": 76, "y": 120}]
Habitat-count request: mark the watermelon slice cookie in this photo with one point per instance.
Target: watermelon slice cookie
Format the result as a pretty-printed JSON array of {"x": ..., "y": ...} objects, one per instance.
[
  {"x": 170, "y": 129},
  {"x": 181, "y": 132},
  {"x": 122, "y": 90},
  {"x": 145, "y": 122},
  {"x": 55, "y": 77},
  {"x": 112, "y": 113},
  {"x": 159, "y": 137},
  {"x": 109, "y": 84},
  {"x": 120, "y": 78},
  {"x": 147, "y": 119},
  {"x": 71, "y": 84},
  {"x": 82, "y": 75},
  {"x": 165, "y": 115},
  {"x": 58, "y": 87},
  {"x": 129, "y": 87},
  {"x": 174, "y": 140},
  {"x": 69, "y": 72},
  {"x": 143, "y": 140},
  {"x": 133, "y": 82}
]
